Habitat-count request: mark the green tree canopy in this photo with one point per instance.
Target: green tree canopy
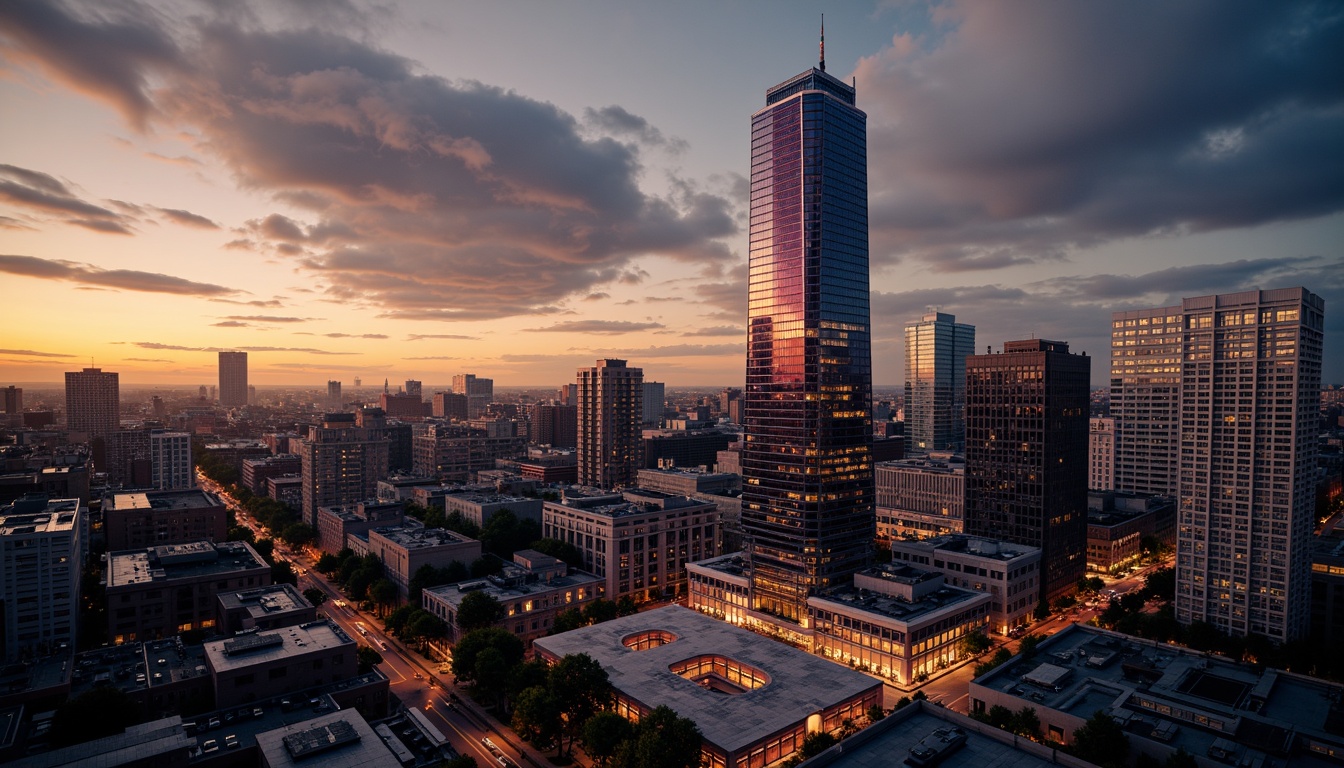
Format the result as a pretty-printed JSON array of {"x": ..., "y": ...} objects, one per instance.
[
  {"x": 473, "y": 643},
  {"x": 367, "y": 658},
  {"x": 536, "y": 716},
  {"x": 603, "y": 734},
  {"x": 315, "y": 596},
  {"x": 1101, "y": 740},
  {"x": 662, "y": 739},
  {"x": 581, "y": 686},
  {"x": 479, "y": 610}
]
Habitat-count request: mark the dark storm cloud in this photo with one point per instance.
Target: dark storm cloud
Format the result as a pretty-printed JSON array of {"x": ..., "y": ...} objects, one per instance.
[
  {"x": 124, "y": 279},
  {"x": 423, "y": 194},
  {"x": 596, "y": 326},
  {"x": 1026, "y": 132}
]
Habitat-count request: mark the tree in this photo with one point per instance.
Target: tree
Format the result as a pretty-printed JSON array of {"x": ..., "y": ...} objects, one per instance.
[
  {"x": 1161, "y": 584},
  {"x": 815, "y": 743},
  {"x": 1042, "y": 611},
  {"x": 875, "y": 713},
  {"x": 560, "y": 550},
  {"x": 492, "y": 675},
  {"x": 479, "y": 610},
  {"x": 570, "y": 618},
  {"x": 328, "y": 564},
  {"x": 999, "y": 716},
  {"x": 999, "y": 658},
  {"x": 1101, "y": 740},
  {"x": 486, "y": 565},
  {"x": 581, "y": 687},
  {"x": 424, "y": 625},
  {"x": 1027, "y": 648},
  {"x": 367, "y": 658},
  {"x": 473, "y": 643},
  {"x": 283, "y": 573},
  {"x": 974, "y": 643},
  {"x": 396, "y": 621},
  {"x": 384, "y": 593},
  {"x": 603, "y": 734},
  {"x": 297, "y": 535},
  {"x": 315, "y": 596},
  {"x": 662, "y": 739},
  {"x": 265, "y": 548},
  {"x": 1025, "y": 722},
  {"x": 536, "y": 717},
  {"x": 626, "y": 606},
  {"x": 599, "y": 610},
  {"x": 529, "y": 674}
]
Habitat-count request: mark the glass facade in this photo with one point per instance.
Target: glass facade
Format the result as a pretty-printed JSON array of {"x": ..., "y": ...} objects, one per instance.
[
  {"x": 936, "y": 348},
  {"x": 807, "y": 457}
]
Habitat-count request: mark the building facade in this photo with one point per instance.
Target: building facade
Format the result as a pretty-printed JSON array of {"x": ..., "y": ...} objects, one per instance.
[
  {"x": 140, "y": 519},
  {"x": 1250, "y": 401},
  {"x": 455, "y": 452},
  {"x": 232, "y": 379},
  {"x": 480, "y": 392},
  {"x": 1145, "y": 399},
  {"x": 1101, "y": 454},
  {"x": 403, "y": 550},
  {"x": 655, "y": 399},
  {"x": 1026, "y": 454},
  {"x": 920, "y": 498},
  {"x": 340, "y": 463},
  {"x": 42, "y": 550},
  {"x": 92, "y": 401},
  {"x": 555, "y": 425},
  {"x": 936, "y": 348},
  {"x": 1008, "y": 573},
  {"x": 611, "y": 412},
  {"x": 335, "y": 523},
  {"x": 807, "y": 501},
  {"x": 170, "y": 460}
]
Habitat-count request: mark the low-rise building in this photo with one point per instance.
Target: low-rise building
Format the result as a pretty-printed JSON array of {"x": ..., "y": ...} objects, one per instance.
[
  {"x": 920, "y": 498},
  {"x": 689, "y": 482},
  {"x": 287, "y": 489},
  {"x": 258, "y": 470},
  {"x": 1327, "y": 589},
  {"x": 263, "y": 608},
  {"x": 263, "y": 665},
  {"x": 139, "y": 519},
  {"x": 340, "y": 738},
  {"x": 336, "y": 523},
  {"x": 533, "y": 589},
  {"x": 402, "y": 487},
  {"x": 404, "y": 550},
  {"x": 1167, "y": 698},
  {"x": 42, "y": 550},
  {"x": 162, "y": 591},
  {"x": 478, "y": 508},
  {"x": 754, "y": 699},
  {"x": 639, "y": 541},
  {"x": 1117, "y": 523},
  {"x": 1010, "y": 573}
]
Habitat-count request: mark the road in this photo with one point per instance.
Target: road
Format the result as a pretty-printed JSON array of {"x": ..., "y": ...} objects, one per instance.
[{"x": 409, "y": 675}]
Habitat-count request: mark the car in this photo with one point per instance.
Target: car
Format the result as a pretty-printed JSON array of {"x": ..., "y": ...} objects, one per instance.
[
  {"x": 382, "y": 644},
  {"x": 419, "y": 676},
  {"x": 489, "y": 744},
  {"x": 258, "y": 712},
  {"x": 210, "y": 746},
  {"x": 212, "y": 724},
  {"x": 231, "y": 741}
]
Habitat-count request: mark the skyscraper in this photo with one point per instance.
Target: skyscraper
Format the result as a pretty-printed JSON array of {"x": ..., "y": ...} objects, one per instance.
[
  {"x": 1026, "y": 454},
  {"x": 480, "y": 392},
  {"x": 92, "y": 401},
  {"x": 232, "y": 379},
  {"x": 170, "y": 460},
  {"x": 655, "y": 396},
  {"x": 1146, "y": 398},
  {"x": 415, "y": 388},
  {"x": 610, "y": 415},
  {"x": 935, "y": 383},
  {"x": 334, "y": 394},
  {"x": 807, "y": 501},
  {"x": 1250, "y": 397}
]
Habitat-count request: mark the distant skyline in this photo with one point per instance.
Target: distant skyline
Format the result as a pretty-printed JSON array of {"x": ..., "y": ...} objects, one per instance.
[{"x": 410, "y": 190}]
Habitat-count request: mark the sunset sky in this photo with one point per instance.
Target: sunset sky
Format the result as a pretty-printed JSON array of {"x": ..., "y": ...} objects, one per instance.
[{"x": 514, "y": 189}]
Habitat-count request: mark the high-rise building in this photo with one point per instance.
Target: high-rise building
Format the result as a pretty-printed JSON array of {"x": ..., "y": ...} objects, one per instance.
[
  {"x": 555, "y": 425},
  {"x": 1026, "y": 454},
  {"x": 730, "y": 404},
  {"x": 232, "y": 379},
  {"x": 13, "y": 399},
  {"x": 170, "y": 460},
  {"x": 935, "y": 383},
  {"x": 807, "y": 500},
  {"x": 566, "y": 395},
  {"x": 1101, "y": 454},
  {"x": 449, "y": 405},
  {"x": 655, "y": 398},
  {"x": 92, "y": 401},
  {"x": 1145, "y": 399},
  {"x": 480, "y": 392},
  {"x": 42, "y": 549},
  {"x": 334, "y": 394},
  {"x": 1249, "y": 404},
  {"x": 341, "y": 463},
  {"x": 414, "y": 388},
  {"x": 610, "y": 412}
]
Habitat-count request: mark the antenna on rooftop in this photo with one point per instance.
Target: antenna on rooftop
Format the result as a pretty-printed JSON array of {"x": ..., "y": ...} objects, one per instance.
[{"x": 823, "y": 42}]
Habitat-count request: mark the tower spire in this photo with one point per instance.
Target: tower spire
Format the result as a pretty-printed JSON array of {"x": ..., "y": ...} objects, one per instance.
[{"x": 823, "y": 42}]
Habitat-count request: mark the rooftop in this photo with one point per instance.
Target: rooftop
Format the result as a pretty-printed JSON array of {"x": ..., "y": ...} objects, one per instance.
[
  {"x": 1175, "y": 695},
  {"x": 186, "y": 499},
  {"x": 977, "y": 546},
  {"x": 250, "y": 649},
  {"x": 265, "y": 601},
  {"x": 512, "y": 584},
  {"x": 140, "y": 744},
  {"x": 338, "y": 739},
  {"x": 57, "y": 516},
  {"x": 411, "y": 537},
  {"x": 799, "y": 684},
  {"x": 180, "y": 561},
  {"x": 937, "y": 598}
]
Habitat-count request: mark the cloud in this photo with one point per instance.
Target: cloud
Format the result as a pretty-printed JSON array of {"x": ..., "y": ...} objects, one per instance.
[
  {"x": 719, "y": 330},
  {"x": 618, "y": 121},
  {"x": 180, "y": 348},
  {"x": 456, "y": 336},
  {"x": 417, "y": 193},
  {"x": 188, "y": 218},
  {"x": 44, "y": 194},
  {"x": 270, "y": 318},
  {"x": 31, "y": 353},
  {"x": 124, "y": 279},
  {"x": 355, "y": 335},
  {"x": 598, "y": 296},
  {"x": 596, "y": 326},
  {"x": 231, "y": 324},
  {"x": 146, "y": 360},
  {"x": 264, "y": 303},
  {"x": 678, "y": 350},
  {"x": 1107, "y": 123},
  {"x": 433, "y": 357}
]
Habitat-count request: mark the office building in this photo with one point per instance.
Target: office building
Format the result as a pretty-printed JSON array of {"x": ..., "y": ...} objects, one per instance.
[
  {"x": 336, "y": 523},
  {"x": 253, "y": 667},
  {"x": 807, "y": 501},
  {"x": 42, "y": 550},
  {"x": 478, "y": 507},
  {"x": 730, "y": 404},
  {"x": 936, "y": 347},
  {"x": 1026, "y": 454},
  {"x": 1327, "y": 590},
  {"x": 336, "y": 738},
  {"x": 449, "y": 405},
  {"x": 1117, "y": 524},
  {"x": 555, "y": 425},
  {"x": 455, "y": 452},
  {"x": 142, "y": 519},
  {"x": 685, "y": 447},
  {"x": 126, "y": 458},
  {"x": 1101, "y": 454},
  {"x": 92, "y": 402},
  {"x": 1009, "y": 573},
  {"x": 610, "y": 414},
  {"x": 1145, "y": 399},
  {"x": 1168, "y": 698},
  {"x": 340, "y": 463},
  {"x": 232, "y": 379},
  {"x": 480, "y": 392},
  {"x": 13, "y": 413},
  {"x": 334, "y": 401},
  {"x": 257, "y": 471},
  {"x": 415, "y": 388},
  {"x": 920, "y": 498},
  {"x": 655, "y": 400},
  {"x": 263, "y": 608},
  {"x": 404, "y": 405},
  {"x": 166, "y": 590},
  {"x": 534, "y": 589},
  {"x": 1249, "y": 410},
  {"x": 171, "y": 467},
  {"x": 405, "y": 549},
  {"x": 753, "y": 699},
  {"x": 639, "y": 542}
]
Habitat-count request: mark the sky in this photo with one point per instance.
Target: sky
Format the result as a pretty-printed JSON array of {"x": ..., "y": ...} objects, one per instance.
[{"x": 410, "y": 190}]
